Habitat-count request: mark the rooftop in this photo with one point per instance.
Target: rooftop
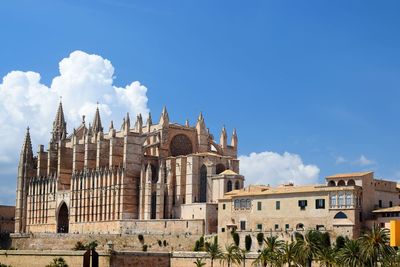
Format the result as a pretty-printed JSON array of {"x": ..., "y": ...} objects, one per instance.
[
  {"x": 391, "y": 209},
  {"x": 349, "y": 175}
]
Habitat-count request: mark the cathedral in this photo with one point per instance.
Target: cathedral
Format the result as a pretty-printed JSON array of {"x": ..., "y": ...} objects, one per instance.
[{"x": 139, "y": 178}]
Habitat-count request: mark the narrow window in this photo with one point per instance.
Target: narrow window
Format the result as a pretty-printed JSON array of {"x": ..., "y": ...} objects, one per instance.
[
  {"x": 242, "y": 225},
  {"x": 223, "y": 206},
  {"x": 259, "y": 205},
  {"x": 222, "y": 229},
  {"x": 259, "y": 226},
  {"x": 302, "y": 204},
  {"x": 390, "y": 204},
  {"x": 277, "y": 205},
  {"x": 276, "y": 227},
  {"x": 380, "y": 203}
]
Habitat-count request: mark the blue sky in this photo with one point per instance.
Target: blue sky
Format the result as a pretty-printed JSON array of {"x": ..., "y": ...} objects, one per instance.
[{"x": 319, "y": 79}]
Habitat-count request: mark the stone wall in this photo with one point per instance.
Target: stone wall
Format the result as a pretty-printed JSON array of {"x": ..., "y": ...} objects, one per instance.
[
  {"x": 34, "y": 258},
  {"x": 135, "y": 259},
  {"x": 175, "y": 242}
]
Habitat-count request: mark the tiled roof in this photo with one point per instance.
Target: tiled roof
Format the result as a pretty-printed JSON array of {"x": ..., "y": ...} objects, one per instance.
[{"x": 348, "y": 175}]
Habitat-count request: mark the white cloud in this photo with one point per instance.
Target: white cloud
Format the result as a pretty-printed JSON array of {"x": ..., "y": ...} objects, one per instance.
[
  {"x": 364, "y": 161},
  {"x": 274, "y": 169},
  {"x": 340, "y": 160},
  {"x": 84, "y": 79}
]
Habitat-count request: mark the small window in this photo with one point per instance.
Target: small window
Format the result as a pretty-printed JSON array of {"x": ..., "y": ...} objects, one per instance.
[
  {"x": 380, "y": 203},
  {"x": 361, "y": 217},
  {"x": 259, "y": 226},
  {"x": 242, "y": 225},
  {"x": 320, "y": 227},
  {"x": 390, "y": 204},
  {"x": 259, "y": 205},
  {"x": 286, "y": 226},
  {"x": 320, "y": 203},
  {"x": 223, "y": 206},
  {"x": 276, "y": 227},
  {"x": 302, "y": 204},
  {"x": 223, "y": 229},
  {"x": 278, "y": 205}
]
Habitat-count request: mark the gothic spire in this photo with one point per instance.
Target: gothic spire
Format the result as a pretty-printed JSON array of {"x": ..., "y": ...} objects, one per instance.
[
  {"x": 164, "y": 119},
  {"x": 97, "y": 127},
  {"x": 234, "y": 140},
  {"x": 59, "y": 125},
  {"x": 26, "y": 151},
  {"x": 223, "y": 138}
]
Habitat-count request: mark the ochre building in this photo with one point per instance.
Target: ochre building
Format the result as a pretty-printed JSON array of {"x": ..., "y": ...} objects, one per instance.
[
  {"x": 144, "y": 177},
  {"x": 345, "y": 206}
]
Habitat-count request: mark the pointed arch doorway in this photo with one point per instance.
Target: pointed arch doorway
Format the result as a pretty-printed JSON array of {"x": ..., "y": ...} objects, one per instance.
[{"x": 63, "y": 219}]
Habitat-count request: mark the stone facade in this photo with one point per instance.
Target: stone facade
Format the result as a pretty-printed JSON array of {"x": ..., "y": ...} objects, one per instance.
[
  {"x": 342, "y": 207},
  {"x": 96, "y": 182}
]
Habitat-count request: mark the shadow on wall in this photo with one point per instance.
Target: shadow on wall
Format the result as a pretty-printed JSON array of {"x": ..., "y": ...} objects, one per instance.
[{"x": 5, "y": 241}]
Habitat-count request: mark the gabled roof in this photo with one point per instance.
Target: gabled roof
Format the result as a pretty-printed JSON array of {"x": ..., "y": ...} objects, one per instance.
[{"x": 228, "y": 172}]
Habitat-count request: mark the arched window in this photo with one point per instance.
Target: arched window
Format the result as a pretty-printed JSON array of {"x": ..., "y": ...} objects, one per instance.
[
  {"x": 154, "y": 173},
  {"x": 351, "y": 182},
  {"x": 331, "y": 183},
  {"x": 180, "y": 145},
  {"x": 219, "y": 168},
  {"x": 229, "y": 186},
  {"x": 237, "y": 185},
  {"x": 63, "y": 219},
  {"x": 341, "y": 183},
  {"x": 340, "y": 215},
  {"x": 203, "y": 184}
]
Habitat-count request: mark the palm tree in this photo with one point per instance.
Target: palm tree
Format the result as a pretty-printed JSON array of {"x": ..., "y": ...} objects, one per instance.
[
  {"x": 374, "y": 246},
  {"x": 274, "y": 246},
  {"x": 214, "y": 251},
  {"x": 263, "y": 258},
  {"x": 199, "y": 262},
  {"x": 243, "y": 255},
  {"x": 288, "y": 253},
  {"x": 307, "y": 247},
  {"x": 349, "y": 255},
  {"x": 326, "y": 257},
  {"x": 232, "y": 255}
]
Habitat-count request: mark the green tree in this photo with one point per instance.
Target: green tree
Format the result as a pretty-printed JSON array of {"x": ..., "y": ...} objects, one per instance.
[
  {"x": 260, "y": 238},
  {"x": 340, "y": 241},
  {"x": 307, "y": 247},
  {"x": 274, "y": 247},
  {"x": 326, "y": 257},
  {"x": 58, "y": 262},
  {"x": 350, "y": 254},
  {"x": 232, "y": 255},
  {"x": 199, "y": 262},
  {"x": 288, "y": 253},
  {"x": 247, "y": 242},
  {"x": 263, "y": 258},
  {"x": 214, "y": 251},
  {"x": 374, "y": 246},
  {"x": 236, "y": 238}
]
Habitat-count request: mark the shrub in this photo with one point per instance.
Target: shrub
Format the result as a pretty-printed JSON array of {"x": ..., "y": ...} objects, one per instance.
[
  {"x": 58, "y": 262},
  {"x": 79, "y": 246},
  {"x": 165, "y": 243},
  {"x": 92, "y": 245},
  {"x": 144, "y": 247},
  {"x": 201, "y": 242},
  {"x": 159, "y": 243},
  {"x": 236, "y": 238},
  {"x": 247, "y": 242},
  {"x": 326, "y": 239},
  {"x": 4, "y": 265},
  {"x": 141, "y": 238},
  {"x": 196, "y": 246},
  {"x": 260, "y": 238}
]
